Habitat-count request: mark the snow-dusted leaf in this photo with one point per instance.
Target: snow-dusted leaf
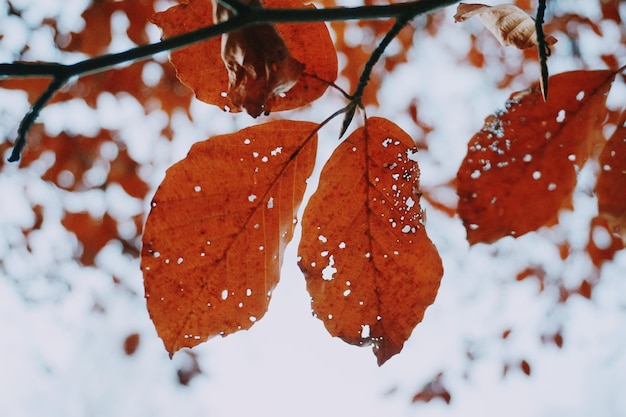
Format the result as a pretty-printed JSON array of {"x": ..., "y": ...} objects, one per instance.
[
  {"x": 371, "y": 269},
  {"x": 214, "y": 240}
]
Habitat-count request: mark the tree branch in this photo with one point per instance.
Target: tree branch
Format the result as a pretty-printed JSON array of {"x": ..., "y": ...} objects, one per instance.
[
  {"x": 246, "y": 16},
  {"x": 543, "y": 49},
  {"x": 31, "y": 116}
]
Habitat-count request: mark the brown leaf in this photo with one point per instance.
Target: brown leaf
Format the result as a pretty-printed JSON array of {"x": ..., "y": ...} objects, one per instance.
[
  {"x": 508, "y": 23},
  {"x": 131, "y": 343},
  {"x": 520, "y": 169},
  {"x": 188, "y": 369},
  {"x": 433, "y": 389},
  {"x": 525, "y": 367},
  {"x": 258, "y": 62},
  {"x": 214, "y": 240},
  {"x": 370, "y": 268},
  {"x": 308, "y": 43},
  {"x": 611, "y": 185}
]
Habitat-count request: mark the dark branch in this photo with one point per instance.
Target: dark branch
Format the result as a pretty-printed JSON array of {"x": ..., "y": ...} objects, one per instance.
[
  {"x": 543, "y": 49},
  {"x": 245, "y": 16},
  {"x": 31, "y": 116},
  {"x": 400, "y": 23}
]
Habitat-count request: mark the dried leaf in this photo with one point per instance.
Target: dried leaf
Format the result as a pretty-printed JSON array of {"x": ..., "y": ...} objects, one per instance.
[
  {"x": 370, "y": 267},
  {"x": 611, "y": 185},
  {"x": 520, "y": 169},
  {"x": 214, "y": 240},
  {"x": 307, "y": 43},
  {"x": 508, "y": 23},
  {"x": 258, "y": 62}
]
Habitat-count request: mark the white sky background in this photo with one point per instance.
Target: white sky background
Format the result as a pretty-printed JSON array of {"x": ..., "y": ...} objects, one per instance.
[{"x": 59, "y": 357}]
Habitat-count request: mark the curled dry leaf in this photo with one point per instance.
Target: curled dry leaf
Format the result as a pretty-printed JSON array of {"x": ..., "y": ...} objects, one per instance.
[
  {"x": 370, "y": 268},
  {"x": 521, "y": 168},
  {"x": 214, "y": 240},
  {"x": 259, "y": 64},
  {"x": 509, "y": 24},
  {"x": 254, "y": 70}
]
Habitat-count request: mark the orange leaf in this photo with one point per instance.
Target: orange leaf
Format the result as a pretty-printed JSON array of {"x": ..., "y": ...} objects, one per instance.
[
  {"x": 214, "y": 240},
  {"x": 201, "y": 68},
  {"x": 611, "y": 185},
  {"x": 520, "y": 169},
  {"x": 131, "y": 343},
  {"x": 370, "y": 268},
  {"x": 96, "y": 37},
  {"x": 93, "y": 234},
  {"x": 603, "y": 243}
]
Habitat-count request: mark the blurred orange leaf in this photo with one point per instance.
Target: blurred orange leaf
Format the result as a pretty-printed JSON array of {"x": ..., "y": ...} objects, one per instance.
[
  {"x": 214, "y": 240},
  {"x": 370, "y": 267},
  {"x": 611, "y": 185},
  {"x": 96, "y": 37},
  {"x": 92, "y": 233},
  {"x": 433, "y": 389},
  {"x": 520, "y": 169},
  {"x": 603, "y": 242},
  {"x": 131, "y": 343}
]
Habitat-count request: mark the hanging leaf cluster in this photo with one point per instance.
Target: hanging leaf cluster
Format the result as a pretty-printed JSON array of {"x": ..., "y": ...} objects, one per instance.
[
  {"x": 214, "y": 241},
  {"x": 211, "y": 267}
]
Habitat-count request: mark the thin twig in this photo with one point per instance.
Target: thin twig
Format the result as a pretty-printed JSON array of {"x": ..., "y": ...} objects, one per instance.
[
  {"x": 31, "y": 116},
  {"x": 356, "y": 98},
  {"x": 543, "y": 49}
]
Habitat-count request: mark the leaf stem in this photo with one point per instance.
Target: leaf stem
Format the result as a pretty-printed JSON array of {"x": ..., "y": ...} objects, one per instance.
[{"x": 246, "y": 16}]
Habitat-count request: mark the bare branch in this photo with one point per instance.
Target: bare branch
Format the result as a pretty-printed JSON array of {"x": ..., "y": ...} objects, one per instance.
[
  {"x": 543, "y": 49},
  {"x": 246, "y": 16}
]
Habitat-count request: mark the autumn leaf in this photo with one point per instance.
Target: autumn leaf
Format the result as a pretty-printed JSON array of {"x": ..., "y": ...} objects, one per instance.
[
  {"x": 214, "y": 240},
  {"x": 97, "y": 37},
  {"x": 603, "y": 241},
  {"x": 75, "y": 156},
  {"x": 611, "y": 185},
  {"x": 508, "y": 23},
  {"x": 92, "y": 233},
  {"x": 258, "y": 62},
  {"x": 308, "y": 43},
  {"x": 370, "y": 267},
  {"x": 131, "y": 343},
  {"x": 433, "y": 389},
  {"x": 520, "y": 169}
]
